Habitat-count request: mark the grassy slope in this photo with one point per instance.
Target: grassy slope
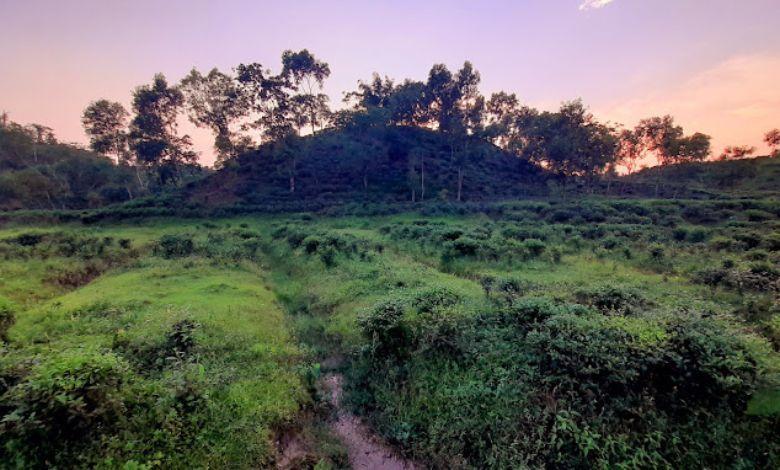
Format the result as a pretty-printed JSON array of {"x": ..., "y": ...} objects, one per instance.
[
  {"x": 248, "y": 357},
  {"x": 247, "y": 350}
]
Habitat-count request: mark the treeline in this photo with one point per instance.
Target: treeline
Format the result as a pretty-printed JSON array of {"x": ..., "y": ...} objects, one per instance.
[
  {"x": 37, "y": 171},
  {"x": 278, "y": 115},
  {"x": 256, "y": 106}
]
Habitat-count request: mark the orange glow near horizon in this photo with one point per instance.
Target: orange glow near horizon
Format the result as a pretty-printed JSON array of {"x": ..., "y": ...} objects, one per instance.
[{"x": 626, "y": 60}]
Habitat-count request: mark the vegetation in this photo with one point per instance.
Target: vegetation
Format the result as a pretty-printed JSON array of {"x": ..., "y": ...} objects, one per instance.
[{"x": 493, "y": 293}]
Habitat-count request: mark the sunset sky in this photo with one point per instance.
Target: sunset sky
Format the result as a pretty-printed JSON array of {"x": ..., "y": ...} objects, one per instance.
[{"x": 713, "y": 64}]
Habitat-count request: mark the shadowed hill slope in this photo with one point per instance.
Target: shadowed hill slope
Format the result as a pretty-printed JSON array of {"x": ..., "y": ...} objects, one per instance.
[
  {"x": 753, "y": 177},
  {"x": 393, "y": 164}
]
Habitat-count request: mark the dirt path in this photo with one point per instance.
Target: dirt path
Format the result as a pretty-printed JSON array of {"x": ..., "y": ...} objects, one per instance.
[{"x": 365, "y": 449}]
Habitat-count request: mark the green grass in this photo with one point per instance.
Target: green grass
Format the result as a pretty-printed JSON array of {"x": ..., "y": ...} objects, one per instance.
[{"x": 266, "y": 312}]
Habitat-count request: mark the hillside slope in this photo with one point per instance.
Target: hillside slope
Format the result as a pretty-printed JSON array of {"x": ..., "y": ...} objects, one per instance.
[
  {"x": 401, "y": 164},
  {"x": 753, "y": 177}
]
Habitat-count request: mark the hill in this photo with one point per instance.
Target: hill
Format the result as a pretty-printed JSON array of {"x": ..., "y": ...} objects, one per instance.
[
  {"x": 391, "y": 164},
  {"x": 754, "y": 177}
]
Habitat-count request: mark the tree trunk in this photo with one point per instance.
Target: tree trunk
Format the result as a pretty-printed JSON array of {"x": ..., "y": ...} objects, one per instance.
[
  {"x": 365, "y": 182},
  {"x": 292, "y": 176},
  {"x": 422, "y": 179},
  {"x": 414, "y": 198},
  {"x": 460, "y": 183}
]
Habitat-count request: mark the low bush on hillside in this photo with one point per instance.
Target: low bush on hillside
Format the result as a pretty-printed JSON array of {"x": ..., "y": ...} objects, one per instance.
[{"x": 536, "y": 383}]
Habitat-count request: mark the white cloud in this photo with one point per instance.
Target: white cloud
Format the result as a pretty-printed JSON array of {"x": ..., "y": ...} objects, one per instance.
[{"x": 594, "y": 4}]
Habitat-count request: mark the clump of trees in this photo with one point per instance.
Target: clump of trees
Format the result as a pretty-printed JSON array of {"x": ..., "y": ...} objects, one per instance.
[
  {"x": 39, "y": 172},
  {"x": 255, "y": 107}
]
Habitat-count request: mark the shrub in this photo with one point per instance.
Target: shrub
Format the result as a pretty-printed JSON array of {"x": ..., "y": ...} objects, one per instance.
[
  {"x": 505, "y": 289},
  {"x": 534, "y": 247},
  {"x": 311, "y": 243},
  {"x": 7, "y": 317},
  {"x": 720, "y": 243},
  {"x": 657, "y": 252},
  {"x": 610, "y": 243},
  {"x": 772, "y": 242},
  {"x": 612, "y": 299},
  {"x": 757, "y": 255},
  {"x": 698, "y": 235},
  {"x": 755, "y": 215},
  {"x": 66, "y": 401},
  {"x": 384, "y": 328},
  {"x": 434, "y": 299},
  {"x": 174, "y": 246}
]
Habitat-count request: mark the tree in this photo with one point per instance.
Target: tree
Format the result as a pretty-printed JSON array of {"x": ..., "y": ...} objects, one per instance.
[
  {"x": 630, "y": 150},
  {"x": 667, "y": 140},
  {"x": 153, "y": 131},
  {"x": 373, "y": 94},
  {"x": 216, "y": 101},
  {"x": 570, "y": 142},
  {"x": 306, "y": 75},
  {"x": 737, "y": 152},
  {"x": 772, "y": 139},
  {"x": 456, "y": 106},
  {"x": 501, "y": 112},
  {"x": 693, "y": 148},
  {"x": 105, "y": 123},
  {"x": 660, "y": 135}
]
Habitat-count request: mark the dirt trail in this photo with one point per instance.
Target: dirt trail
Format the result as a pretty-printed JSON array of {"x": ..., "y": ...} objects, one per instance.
[{"x": 365, "y": 449}]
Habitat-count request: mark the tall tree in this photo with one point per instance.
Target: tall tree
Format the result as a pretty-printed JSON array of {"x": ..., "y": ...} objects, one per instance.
[
  {"x": 217, "y": 102},
  {"x": 501, "y": 113},
  {"x": 667, "y": 140},
  {"x": 772, "y": 139},
  {"x": 153, "y": 131},
  {"x": 306, "y": 74},
  {"x": 630, "y": 150},
  {"x": 570, "y": 142},
  {"x": 455, "y": 105},
  {"x": 693, "y": 148},
  {"x": 105, "y": 123}
]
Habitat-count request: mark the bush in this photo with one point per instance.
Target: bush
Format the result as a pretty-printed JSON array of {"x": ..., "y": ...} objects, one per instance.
[
  {"x": 66, "y": 401},
  {"x": 384, "y": 328},
  {"x": 657, "y": 252},
  {"x": 505, "y": 289},
  {"x": 174, "y": 246},
  {"x": 720, "y": 243},
  {"x": 7, "y": 317},
  {"x": 611, "y": 299},
  {"x": 755, "y": 215},
  {"x": 534, "y": 247}
]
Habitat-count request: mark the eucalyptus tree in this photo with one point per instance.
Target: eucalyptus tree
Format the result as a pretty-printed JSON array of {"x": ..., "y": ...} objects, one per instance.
[
  {"x": 305, "y": 75},
  {"x": 217, "y": 101}
]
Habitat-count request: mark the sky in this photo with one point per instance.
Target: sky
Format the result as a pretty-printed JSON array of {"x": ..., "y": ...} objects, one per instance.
[{"x": 713, "y": 64}]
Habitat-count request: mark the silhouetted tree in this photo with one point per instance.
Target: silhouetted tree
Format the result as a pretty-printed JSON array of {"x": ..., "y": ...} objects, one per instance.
[
  {"x": 661, "y": 136},
  {"x": 772, "y": 139},
  {"x": 217, "y": 102},
  {"x": 501, "y": 113},
  {"x": 630, "y": 150},
  {"x": 306, "y": 75},
  {"x": 105, "y": 123},
  {"x": 570, "y": 142},
  {"x": 153, "y": 131},
  {"x": 737, "y": 152}
]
